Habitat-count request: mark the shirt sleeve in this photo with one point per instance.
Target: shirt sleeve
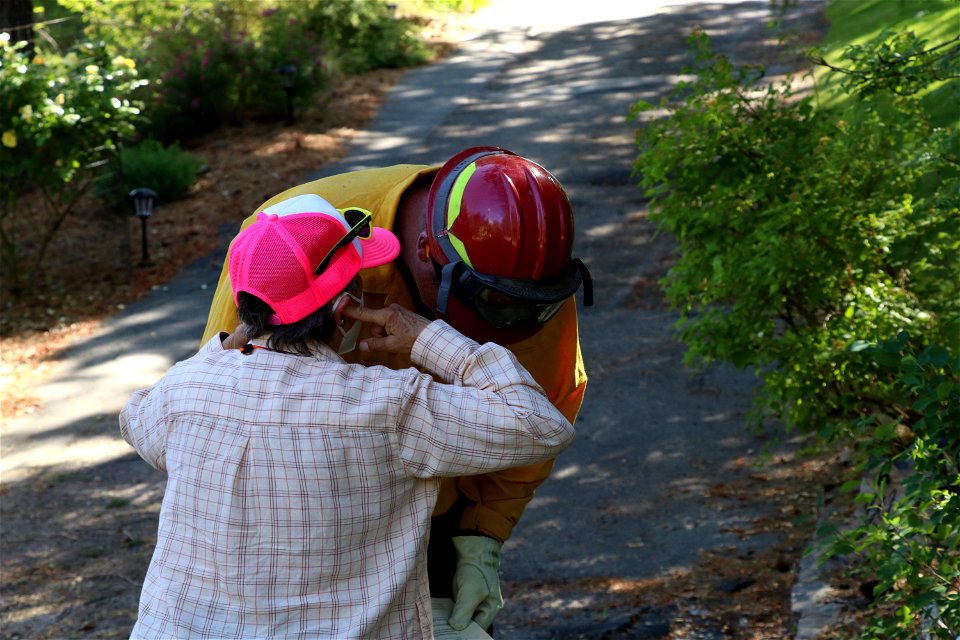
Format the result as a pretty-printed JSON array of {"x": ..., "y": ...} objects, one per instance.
[
  {"x": 489, "y": 415},
  {"x": 145, "y": 419},
  {"x": 143, "y": 425},
  {"x": 493, "y": 503}
]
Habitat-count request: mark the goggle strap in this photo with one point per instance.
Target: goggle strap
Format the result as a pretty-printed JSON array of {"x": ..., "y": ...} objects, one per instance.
[
  {"x": 469, "y": 287},
  {"x": 446, "y": 282},
  {"x": 587, "y": 282}
]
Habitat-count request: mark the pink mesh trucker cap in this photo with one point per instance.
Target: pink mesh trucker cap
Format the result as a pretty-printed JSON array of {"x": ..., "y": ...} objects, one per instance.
[{"x": 275, "y": 257}]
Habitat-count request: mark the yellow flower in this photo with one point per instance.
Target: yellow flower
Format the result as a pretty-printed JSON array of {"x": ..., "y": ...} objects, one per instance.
[
  {"x": 59, "y": 99},
  {"x": 122, "y": 61},
  {"x": 26, "y": 112},
  {"x": 37, "y": 60},
  {"x": 10, "y": 139},
  {"x": 91, "y": 69}
]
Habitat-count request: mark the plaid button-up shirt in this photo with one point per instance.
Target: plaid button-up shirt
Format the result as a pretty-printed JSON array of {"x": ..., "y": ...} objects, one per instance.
[{"x": 300, "y": 489}]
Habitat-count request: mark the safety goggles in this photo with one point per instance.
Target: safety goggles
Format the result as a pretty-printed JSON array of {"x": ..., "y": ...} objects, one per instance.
[
  {"x": 505, "y": 303},
  {"x": 360, "y": 227}
]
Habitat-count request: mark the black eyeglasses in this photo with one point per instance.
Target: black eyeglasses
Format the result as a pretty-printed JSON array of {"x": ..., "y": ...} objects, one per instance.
[{"x": 360, "y": 227}]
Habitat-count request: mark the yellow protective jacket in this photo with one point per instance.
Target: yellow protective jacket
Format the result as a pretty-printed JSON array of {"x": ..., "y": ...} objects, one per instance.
[{"x": 495, "y": 501}]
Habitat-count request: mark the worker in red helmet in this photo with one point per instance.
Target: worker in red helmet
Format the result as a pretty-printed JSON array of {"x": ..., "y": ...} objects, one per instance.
[{"x": 486, "y": 244}]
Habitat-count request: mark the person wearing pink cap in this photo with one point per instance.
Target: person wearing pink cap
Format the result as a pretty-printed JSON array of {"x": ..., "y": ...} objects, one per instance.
[
  {"x": 300, "y": 487},
  {"x": 486, "y": 244}
]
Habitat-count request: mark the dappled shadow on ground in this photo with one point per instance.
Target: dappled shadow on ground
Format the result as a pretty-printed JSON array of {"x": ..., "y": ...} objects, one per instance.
[
  {"x": 75, "y": 546},
  {"x": 655, "y": 521},
  {"x": 725, "y": 541}
]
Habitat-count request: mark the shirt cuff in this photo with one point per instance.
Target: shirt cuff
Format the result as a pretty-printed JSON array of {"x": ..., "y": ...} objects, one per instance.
[{"x": 442, "y": 350}]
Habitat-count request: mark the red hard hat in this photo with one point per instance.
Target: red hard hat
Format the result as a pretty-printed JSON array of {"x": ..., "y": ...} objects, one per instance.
[
  {"x": 504, "y": 215},
  {"x": 498, "y": 221}
]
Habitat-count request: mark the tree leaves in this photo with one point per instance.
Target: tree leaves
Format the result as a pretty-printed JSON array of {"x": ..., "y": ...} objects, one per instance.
[{"x": 808, "y": 236}]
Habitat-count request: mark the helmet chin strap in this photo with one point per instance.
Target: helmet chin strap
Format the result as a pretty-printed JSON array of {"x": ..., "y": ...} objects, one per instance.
[
  {"x": 446, "y": 283},
  {"x": 587, "y": 282}
]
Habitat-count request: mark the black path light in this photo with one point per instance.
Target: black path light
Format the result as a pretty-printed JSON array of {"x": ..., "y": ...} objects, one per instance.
[
  {"x": 143, "y": 201},
  {"x": 288, "y": 77}
]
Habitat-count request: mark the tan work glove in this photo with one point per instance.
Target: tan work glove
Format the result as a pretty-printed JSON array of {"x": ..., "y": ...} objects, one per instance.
[{"x": 476, "y": 583}]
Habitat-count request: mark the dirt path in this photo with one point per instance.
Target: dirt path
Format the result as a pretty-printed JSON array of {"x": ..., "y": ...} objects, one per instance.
[{"x": 667, "y": 519}]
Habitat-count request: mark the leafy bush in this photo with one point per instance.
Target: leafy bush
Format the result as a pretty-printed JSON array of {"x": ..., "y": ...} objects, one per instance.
[
  {"x": 468, "y": 6},
  {"x": 362, "y": 35},
  {"x": 219, "y": 61},
  {"x": 169, "y": 171},
  {"x": 288, "y": 41},
  {"x": 910, "y": 537},
  {"x": 205, "y": 73},
  {"x": 801, "y": 231},
  {"x": 224, "y": 66},
  {"x": 61, "y": 118},
  {"x": 807, "y": 235}
]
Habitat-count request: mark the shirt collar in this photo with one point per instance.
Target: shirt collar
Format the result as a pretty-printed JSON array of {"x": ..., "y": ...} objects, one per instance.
[{"x": 320, "y": 350}]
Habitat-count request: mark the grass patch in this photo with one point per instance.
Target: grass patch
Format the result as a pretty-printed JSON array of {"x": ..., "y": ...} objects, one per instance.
[{"x": 855, "y": 22}]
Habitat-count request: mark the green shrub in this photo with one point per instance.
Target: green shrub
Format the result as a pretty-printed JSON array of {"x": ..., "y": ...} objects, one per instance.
[
  {"x": 362, "y": 35},
  {"x": 466, "y": 6},
  {"x": 808, "y": 234},
  {"x": 204, "y": 76},
  {"x": 169, "y": 171},
  {"x": 61, "y": 118},
  {"x": 223, "y": 67},
  {"x": 200, "y": 55},
  {"x": 288, "y": 40},
  {"x": 855, "y": 24},
  {"x": 909, "y": 538},
  {"x": 801, "y": 230},
  {"x": 217, "y": 61}
]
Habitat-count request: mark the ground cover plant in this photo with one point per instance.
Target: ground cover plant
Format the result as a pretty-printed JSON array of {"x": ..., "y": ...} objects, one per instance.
[{"x": 819, "y": 247}]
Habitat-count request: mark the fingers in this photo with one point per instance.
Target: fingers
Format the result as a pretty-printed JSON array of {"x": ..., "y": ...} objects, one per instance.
[
  {"x": 395, "y": 328},
  {"x": 390, "y": 344},
  {"x": 461, "y": 616},
  {"x": 467, "y": 598},
  {"x": 486, "y": 613},
  {"x": 364, "y": 314}
]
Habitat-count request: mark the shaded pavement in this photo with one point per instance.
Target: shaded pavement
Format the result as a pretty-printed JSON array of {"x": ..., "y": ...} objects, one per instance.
[{"x": 628, "y": 501}]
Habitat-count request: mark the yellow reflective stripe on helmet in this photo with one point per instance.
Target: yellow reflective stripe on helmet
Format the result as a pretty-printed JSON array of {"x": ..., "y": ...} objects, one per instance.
[
  {"x": 453, "y": 209},
  {"x": 460, "y": 249},
  {"x": 456, "y": 194}
]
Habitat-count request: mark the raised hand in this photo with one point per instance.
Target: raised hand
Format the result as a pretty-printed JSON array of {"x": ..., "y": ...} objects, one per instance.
[{"x": 395, "y": 329}]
